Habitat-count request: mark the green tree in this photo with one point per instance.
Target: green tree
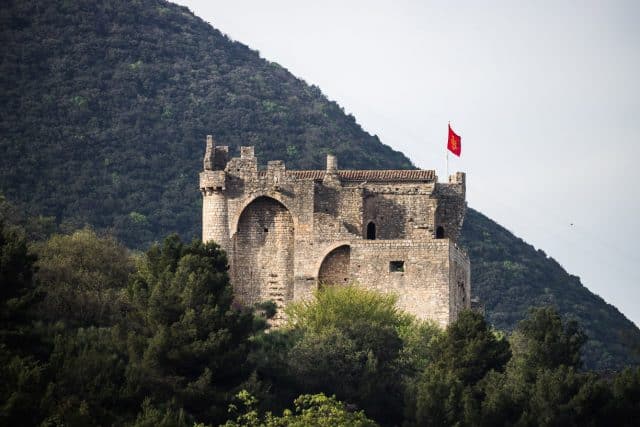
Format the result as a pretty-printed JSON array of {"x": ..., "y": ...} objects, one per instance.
[
  {"x": 21, "y": 373},
  {"x": 350, "y": 345},
  {"x": 437, "y": 398},
  {"x": 310, "y": 410},
  {"x": 83, "y": 277},
  {"x": 471, "y": 349},
  {"x": 541, "y": 385},
  {"x": 87, "y": 378},
  {"x": 162, "y": 416},
  {"x": 624, "y": 409},
  {"x": 192, "y": 344},
  {"x": 448, "y": 390},
  {"x": 545, "y": 340},
  {"x": 22, "y": 385},
  {"x": 16, "y": 278}
]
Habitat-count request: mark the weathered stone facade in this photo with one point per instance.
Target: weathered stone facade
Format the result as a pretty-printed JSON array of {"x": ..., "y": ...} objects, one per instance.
[{"x": 288, "y": 232}]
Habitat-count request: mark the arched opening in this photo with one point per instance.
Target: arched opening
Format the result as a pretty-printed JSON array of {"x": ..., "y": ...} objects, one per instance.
[
  {"x": 335, "y": 267},
  {"x": 440, "y": 232},
  {"x": 262, "y": 264},
  {"x": 371, "y": 231}
]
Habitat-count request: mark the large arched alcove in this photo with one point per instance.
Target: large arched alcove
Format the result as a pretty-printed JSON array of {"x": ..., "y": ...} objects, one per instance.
[
  {"x": 335, "y": 267},
  {"x": 262, "y": 266}
]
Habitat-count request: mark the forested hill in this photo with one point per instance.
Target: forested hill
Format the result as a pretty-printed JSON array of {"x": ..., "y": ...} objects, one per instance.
[
  {"x": 509, "y": 276},
  {"x": 105, "y": 106}
]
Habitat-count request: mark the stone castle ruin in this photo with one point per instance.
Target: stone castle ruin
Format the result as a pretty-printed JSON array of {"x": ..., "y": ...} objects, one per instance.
[{"x": 287, "y": 232}]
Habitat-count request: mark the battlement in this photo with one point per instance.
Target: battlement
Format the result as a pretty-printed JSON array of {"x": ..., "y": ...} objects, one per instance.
[{"x": 286, "y": 232}]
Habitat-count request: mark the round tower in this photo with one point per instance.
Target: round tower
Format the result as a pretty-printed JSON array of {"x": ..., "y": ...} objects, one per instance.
[
  {"x": 215, "y": 215},
  {"x": 215, "y": 218}
]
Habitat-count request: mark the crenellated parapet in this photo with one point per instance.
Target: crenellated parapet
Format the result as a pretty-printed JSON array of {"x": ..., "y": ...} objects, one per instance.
[{"x": 212, "y": 181}]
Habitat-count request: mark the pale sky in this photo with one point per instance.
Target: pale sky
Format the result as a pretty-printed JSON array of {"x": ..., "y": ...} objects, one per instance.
[{"x": 545, "y": 94}]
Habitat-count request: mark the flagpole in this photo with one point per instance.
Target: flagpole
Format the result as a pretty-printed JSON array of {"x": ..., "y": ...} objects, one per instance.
[{"x": 446, "y": 178}]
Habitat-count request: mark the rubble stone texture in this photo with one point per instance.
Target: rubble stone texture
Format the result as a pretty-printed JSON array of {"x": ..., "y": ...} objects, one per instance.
[{"x": 289, "y": 232}]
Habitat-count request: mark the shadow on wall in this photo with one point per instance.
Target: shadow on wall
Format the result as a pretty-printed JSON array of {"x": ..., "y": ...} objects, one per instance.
[
  {"x": 264, "y": 243},
  {"x": 335, "y": 267},
  {"x": 385, "y": 219}
]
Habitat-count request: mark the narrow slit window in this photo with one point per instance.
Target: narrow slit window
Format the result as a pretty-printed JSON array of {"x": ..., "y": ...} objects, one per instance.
[
  {"x": 440, "y": 232},
  {"x": 371, "y": 231},
  {"x": 396, "y": 266}
]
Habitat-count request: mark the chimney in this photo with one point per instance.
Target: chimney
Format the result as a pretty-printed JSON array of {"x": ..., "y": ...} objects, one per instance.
[{"x": 332, "y": 163}]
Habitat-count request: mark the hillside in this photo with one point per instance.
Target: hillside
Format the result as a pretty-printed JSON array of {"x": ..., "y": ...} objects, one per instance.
[
  {"x": 105, "y": 107},
  {"x": 114, "y": 99},
  {"x": 509, "y": 276}
]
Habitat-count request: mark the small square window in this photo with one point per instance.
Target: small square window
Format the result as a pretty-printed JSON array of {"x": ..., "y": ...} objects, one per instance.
[{"x": 396, "y": 266}]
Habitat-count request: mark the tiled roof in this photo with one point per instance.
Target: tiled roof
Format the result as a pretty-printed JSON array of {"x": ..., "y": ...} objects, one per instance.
[
  {"x": 368, "y": 175},
  {"x": 387, "y": 175}
]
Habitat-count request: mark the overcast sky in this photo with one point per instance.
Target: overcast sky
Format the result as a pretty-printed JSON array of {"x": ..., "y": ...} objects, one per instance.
[{"x": 545, "y": 94}]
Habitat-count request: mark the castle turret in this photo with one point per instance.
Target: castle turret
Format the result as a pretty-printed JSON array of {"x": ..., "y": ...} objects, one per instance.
[
  {"x": 215, "y": 215},
  {"x": 451, "y": 207},
  {"x": 208, "y": 154}
]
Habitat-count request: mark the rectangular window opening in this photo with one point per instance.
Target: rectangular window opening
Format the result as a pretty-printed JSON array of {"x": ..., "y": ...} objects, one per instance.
[{"x": 396, "y": 266}]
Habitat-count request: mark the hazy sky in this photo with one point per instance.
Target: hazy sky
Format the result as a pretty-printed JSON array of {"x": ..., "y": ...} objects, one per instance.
[{"x": 545, "y": 94}]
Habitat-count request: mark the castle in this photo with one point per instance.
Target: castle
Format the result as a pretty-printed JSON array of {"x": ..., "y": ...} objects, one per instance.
[{"x": 287, "y": 232}]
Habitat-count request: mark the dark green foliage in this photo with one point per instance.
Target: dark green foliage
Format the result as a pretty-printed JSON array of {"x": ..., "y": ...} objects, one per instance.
[
  {"x": 541, "y": 385},
  {"x": 544, "y": 341},
  {"x": 162, "y": 416},
  {"x": 174, "y": 349},
  {"x": 347, "y": 342},
  {"x": 110, "y": 344},
  {"x": 315, "y": 410},
  {"x": 626, "y": 397},
  {"x": 471, "y": 349},
  {"x": 87, "y": 378},
  {"x": 192, "y": 344},
  {"x": 438, "y": 398},
  {"x": 21, "y": 373},
  {"x": 17, "y": 288},
  {"x": 16, "y": 267},
  {"x": 21, "y": 384},
  {"x": 82, "y": 277},
  {"x": 447, "y": 390},
  {"x": 509, "y": 276}
]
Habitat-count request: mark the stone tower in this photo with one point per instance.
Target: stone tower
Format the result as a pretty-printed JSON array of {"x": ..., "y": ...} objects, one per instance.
[{"x": 287, "y": 232}]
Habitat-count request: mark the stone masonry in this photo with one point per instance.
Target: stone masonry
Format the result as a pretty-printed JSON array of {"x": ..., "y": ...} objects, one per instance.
[{"x": 288, "y": 232}]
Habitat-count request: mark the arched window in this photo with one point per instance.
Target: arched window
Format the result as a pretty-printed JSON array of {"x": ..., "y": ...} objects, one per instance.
[
  {"x": 371, "y": 231},
  {"x": 440, "y": 232}
]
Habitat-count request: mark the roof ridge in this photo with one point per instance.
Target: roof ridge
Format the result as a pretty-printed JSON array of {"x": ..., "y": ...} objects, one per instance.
[{"x": 367, "y": 174}]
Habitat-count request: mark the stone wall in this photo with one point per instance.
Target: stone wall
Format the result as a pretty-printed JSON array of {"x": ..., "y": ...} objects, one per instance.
[
  {"x": 336, "y": 267},
  {"x": 264, "y": 243},
  {"x": 422, "y": 285},
  {"x": 459, "y": 282},
  {"x": 451, "y": 205},
  {"x": 401, "y": 211}
]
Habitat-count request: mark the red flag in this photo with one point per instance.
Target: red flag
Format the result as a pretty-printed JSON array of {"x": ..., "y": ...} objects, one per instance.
[{"x": 454, "y": 142}]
